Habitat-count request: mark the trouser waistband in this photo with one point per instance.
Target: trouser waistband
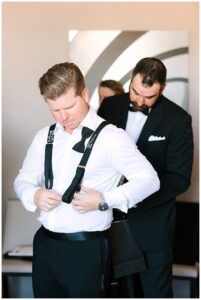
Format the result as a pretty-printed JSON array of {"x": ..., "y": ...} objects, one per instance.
[{"x": 75, "y": 236}]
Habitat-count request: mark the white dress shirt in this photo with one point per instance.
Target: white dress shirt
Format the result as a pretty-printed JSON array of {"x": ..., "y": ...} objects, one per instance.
[
  {"x": 114, "y": 153},
  {"x": 135, "y": 123}
]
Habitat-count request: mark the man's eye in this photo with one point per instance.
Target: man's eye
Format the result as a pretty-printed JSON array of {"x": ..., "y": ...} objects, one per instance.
[{"x": 67, "y": 108}]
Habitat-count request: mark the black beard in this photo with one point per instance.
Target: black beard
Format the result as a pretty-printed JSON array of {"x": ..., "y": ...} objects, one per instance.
[{"x": 139, "y": 108}]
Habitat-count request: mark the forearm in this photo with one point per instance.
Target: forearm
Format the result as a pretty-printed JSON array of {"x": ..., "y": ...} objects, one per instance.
[{"x": 134, "y": 191}]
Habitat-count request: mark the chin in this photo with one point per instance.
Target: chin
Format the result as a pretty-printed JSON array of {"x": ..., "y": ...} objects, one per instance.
[{"x": 71, "y": 126}]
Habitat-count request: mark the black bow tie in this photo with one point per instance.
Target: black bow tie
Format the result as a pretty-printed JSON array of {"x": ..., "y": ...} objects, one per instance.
[
  {"x": 80, "y": 146},
  {"x": 144, "y": 110}
]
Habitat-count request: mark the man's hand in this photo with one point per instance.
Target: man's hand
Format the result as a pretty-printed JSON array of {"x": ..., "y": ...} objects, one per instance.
[
  {"x": 46, "y": 199},
  {"x": 86, "y": 201}
]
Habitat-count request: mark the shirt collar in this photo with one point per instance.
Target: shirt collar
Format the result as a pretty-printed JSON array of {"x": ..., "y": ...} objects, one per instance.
[{"x": 90, "y": 120}]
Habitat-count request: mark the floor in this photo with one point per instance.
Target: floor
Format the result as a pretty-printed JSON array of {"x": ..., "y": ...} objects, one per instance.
[{"x": 22, "y": 288}]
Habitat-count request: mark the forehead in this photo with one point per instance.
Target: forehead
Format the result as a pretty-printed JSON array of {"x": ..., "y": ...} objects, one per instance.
[
  {"x": 68, "y": 98},
  {"x": 144, "y": 89},
  {"x": 105, "y": 89}
]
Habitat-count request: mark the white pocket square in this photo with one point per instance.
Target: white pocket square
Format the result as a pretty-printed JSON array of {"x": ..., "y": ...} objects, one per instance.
[{"x": 156, "y": 138}]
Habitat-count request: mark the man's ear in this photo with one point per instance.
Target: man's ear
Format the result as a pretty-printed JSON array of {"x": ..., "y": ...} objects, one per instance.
[
  {"x": 162, "y": 88},
  {"x": 85, "y": 94}
]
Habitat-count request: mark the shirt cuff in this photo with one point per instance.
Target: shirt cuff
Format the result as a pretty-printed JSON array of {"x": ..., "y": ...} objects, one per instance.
[
  {"x": 28, "y": 199},
  {"x": 114, "y": 200}
]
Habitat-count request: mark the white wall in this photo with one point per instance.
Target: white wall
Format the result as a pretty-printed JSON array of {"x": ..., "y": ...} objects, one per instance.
[{"x": 35, "y": 38}]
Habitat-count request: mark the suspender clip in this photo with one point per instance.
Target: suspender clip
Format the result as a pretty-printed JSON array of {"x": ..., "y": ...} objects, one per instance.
[
  {"x": 81, "y": 166},
  {"x": 50, "y": 138}
]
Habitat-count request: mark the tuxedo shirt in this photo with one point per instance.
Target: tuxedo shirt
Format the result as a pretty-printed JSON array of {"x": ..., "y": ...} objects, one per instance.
[
  {"x": 114, "y": 153},
  {"x": 135, "y": 123}
]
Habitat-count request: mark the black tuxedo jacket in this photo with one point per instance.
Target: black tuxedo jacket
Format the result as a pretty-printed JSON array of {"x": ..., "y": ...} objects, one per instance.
[{"x": 167, "y": 142}]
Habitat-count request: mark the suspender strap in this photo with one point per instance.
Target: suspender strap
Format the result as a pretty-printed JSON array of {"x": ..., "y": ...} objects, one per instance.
[
  {"x": 75, "y": 185},
  {"x": 48, "y": 158}
]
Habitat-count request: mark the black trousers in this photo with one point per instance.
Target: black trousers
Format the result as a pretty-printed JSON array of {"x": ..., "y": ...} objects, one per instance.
[
  {"x": 70, "y": 269},
  {"x": 156, "y": 281}
]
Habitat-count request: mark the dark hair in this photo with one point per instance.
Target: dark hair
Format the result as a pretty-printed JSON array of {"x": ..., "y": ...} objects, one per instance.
[
  {"x": 114, "y": 85},
  {"x": 59, "y": 78},
  {"x": 152, "y": 70}
]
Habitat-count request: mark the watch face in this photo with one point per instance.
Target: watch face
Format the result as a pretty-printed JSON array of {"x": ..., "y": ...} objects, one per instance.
[{"x": 103, "y": 206}]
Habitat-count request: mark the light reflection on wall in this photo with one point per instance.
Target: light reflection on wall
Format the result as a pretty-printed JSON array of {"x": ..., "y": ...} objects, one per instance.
[{"x": 112, "y": 54}]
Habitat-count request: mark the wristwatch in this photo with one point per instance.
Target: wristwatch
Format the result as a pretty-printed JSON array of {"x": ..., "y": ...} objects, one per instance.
[{"x": 103, "y": 206}]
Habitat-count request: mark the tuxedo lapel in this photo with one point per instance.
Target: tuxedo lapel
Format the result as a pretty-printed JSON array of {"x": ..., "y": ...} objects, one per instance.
[
  {"x": 121, "y": 110},
  {"x": 154, "y": 117},
  {"x": 124, "y": 112}
]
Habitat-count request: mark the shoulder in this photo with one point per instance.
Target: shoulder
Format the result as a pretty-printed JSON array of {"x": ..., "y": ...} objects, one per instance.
[
  {"x": 173, "y": 110},
  {"x": 122, "y": 98},
  {"x": 115, "y": 136},
  {"x": 114, "y": 108},
  {"x": 116, "y": 144},
  {"x": 172, "y": 106},
  {"x": 115, "y": 100},
  {"x": 41, "y": 135}
]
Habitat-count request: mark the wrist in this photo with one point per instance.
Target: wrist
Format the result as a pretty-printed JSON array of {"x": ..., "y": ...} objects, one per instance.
[{"x": 102, "y": 206}]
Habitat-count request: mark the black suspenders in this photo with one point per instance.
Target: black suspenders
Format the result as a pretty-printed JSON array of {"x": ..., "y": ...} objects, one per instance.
[
  {"x": 48, "y": 158},
  {"x": 75, "y": 185}
]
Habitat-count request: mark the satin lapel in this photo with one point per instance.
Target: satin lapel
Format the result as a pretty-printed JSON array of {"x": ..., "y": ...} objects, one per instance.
[
  {"x": 153, "y": 119},
  {"x": 123, "y": 111}
]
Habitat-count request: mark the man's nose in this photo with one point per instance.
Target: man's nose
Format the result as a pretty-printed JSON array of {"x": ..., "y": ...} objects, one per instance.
[
  {"x": 140, "y": 100},
  {"x": 64, "y": 114}
]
